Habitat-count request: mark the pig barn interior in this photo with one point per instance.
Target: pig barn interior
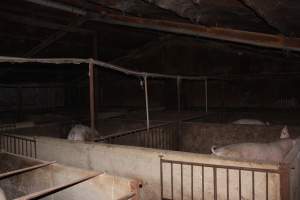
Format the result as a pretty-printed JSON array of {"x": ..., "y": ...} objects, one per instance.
[{"x": 159, "y": 84}]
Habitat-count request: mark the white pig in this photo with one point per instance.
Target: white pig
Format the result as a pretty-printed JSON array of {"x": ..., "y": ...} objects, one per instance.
[
  {"x": 250, "y": 122},
  {"x": 273, "y": 151},
  {"x": 2, "y": 195},
  {"x": 82, "y": 133}
]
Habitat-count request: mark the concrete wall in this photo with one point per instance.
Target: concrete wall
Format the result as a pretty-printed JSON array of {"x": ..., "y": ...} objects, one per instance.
[
  {"x": 199, "y": 137},
  {"x": 137, "y": 163},
  {"x": 102, "y": 186}
]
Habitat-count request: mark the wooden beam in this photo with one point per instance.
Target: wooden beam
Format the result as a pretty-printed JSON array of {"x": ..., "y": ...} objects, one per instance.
[{"x": 222, "y": 34}]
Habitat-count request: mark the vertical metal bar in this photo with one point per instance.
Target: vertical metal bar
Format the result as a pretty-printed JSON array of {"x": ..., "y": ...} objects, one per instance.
[
  {"x": 181, "y": 180},
  {"x": 192, "y": 182},
  {"x": 35, "y": 149},
  {"x": 161, "y": 179},
  {"x": 22, "y": 142},
  {"x": 202, "y": 182},
  {"x": 206, "y": 102},
  {"x": 215, "y": 182},
  {"x": 26, "y": 148},
  {"x": 92, "y": 95},
  {"x": 10, "y": 144},
  {"x": 267, "y": 186},
  {"x": 147, "y": 102},
  {"x": 253, "y": 186},
  {"x": 172, "y": 190},
  {"x": 240, "y": 185},
  {"x": 178, "y": 93},
  {"x": 227, "y": 183},
  {"x": 15, "y": 145}
]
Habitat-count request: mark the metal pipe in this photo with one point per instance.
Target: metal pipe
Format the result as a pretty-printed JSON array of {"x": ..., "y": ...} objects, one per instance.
[
  {"x": 55, "y": 189},
  {"x": 206, "y": 103},
  {"x": 92, "y": 95},
  {"x": 178, "y": 94},
  {"x": 26, "y": 169},
  {"x": 147, "y": 102}
]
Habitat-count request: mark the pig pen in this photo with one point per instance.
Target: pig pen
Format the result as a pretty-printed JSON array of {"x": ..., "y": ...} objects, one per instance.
[
  {"x": 181, "y": 175},
  {"x": 199, "y": 138},
  {"x": 25, "y": 178},
  {"x": 173, "y": 177}
]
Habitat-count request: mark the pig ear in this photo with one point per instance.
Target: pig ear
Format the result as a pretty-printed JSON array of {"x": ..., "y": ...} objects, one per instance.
[{"x": 284, "y": 133}]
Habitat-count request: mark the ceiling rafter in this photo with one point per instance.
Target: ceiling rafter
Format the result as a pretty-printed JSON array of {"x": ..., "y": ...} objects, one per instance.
[{"x": 223, "y": 34}]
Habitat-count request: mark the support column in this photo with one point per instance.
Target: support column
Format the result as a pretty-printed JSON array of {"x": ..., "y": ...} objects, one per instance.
[
  {"x": 206, "y": 102},
  {"x": 178, "y": 94},
  {"x": 92, "y": 95},
  {"x": 147, "y": 102},
  {"x": 96, "y": 75}
]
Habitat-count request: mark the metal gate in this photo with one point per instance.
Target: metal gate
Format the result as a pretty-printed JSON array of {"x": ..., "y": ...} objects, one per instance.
[
  {"x": 163, "y": 136},
  {"x": 18, "y": 145},
  {"x": 210, "y": 174}
]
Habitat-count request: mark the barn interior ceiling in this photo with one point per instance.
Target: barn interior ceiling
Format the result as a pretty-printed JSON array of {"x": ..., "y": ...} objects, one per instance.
[{"x": 238, "y": 32}]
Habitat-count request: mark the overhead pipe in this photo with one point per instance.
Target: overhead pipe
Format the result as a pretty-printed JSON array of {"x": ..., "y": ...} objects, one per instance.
[
  {"x": 230, "y": 35},
  {"x": 4, "y": 59}
]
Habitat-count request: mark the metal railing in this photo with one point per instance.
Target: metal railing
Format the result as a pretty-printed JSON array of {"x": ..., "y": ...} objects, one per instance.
[
  {"x": 18, "y": 145},
  {"x": 7, "y": 127},
  {"x": 210, "y": 173},
  {"x": 163, "y": 136}
]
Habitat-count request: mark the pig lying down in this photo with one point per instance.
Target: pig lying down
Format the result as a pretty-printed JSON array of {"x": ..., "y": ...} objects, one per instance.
[
  {"x": 273, "y": 151},
  {"x": 82, "y": 133},
  {"x": 251, "y": 122},
  {"x": 2, "y": 195}
]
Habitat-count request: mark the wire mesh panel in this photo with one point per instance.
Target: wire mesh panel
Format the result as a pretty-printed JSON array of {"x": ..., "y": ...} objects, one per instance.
[
  {"x": 18, "y": 145},
  {"x": 164, "y": 136},
  {"x": 188, "y": 180}
]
